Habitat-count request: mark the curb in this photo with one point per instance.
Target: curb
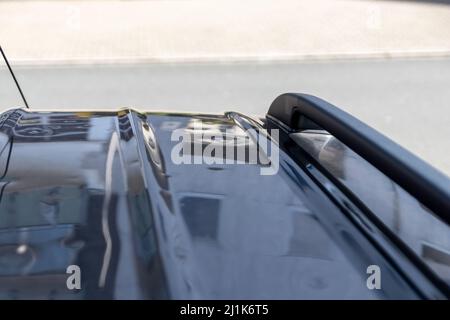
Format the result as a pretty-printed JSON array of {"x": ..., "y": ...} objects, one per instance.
[{"x": 206, "y": 59}]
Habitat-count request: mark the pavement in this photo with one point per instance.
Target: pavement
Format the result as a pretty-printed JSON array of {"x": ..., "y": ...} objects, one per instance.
[{"x": 80, "y": 31}]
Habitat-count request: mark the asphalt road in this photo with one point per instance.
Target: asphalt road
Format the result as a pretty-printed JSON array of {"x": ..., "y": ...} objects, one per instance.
[{"x": 407, "y": 100}]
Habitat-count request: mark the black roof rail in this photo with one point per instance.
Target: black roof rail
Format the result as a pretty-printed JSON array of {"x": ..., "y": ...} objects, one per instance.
[{"x": 429, "y": 186}]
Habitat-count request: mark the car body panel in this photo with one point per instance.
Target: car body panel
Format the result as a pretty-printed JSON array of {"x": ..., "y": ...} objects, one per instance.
[{"x": 99, "y": 190}]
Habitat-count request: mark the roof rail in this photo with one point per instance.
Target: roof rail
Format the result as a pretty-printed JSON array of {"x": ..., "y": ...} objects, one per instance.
[{"x": 295, "y": 111}]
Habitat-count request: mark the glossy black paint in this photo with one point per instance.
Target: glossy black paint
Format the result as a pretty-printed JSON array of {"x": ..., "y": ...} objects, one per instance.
[{"x": 100, "y": 190}]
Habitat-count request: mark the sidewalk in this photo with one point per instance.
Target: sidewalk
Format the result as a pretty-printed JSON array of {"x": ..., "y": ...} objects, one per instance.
[{"x": 194, "y": 30}]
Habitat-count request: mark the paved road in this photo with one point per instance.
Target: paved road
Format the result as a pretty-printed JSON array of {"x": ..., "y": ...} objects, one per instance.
[{"x": 408, "y": 100}]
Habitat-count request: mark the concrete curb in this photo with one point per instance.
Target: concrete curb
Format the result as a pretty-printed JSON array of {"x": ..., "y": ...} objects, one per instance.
[{"x": 232, "y": 59}]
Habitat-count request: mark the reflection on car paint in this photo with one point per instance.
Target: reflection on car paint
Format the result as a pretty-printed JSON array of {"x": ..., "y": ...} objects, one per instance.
[{"x": 140, "y": 226}]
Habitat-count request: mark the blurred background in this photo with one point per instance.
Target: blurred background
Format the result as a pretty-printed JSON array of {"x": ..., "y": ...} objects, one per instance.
[{"x": 385, "y": 62}]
